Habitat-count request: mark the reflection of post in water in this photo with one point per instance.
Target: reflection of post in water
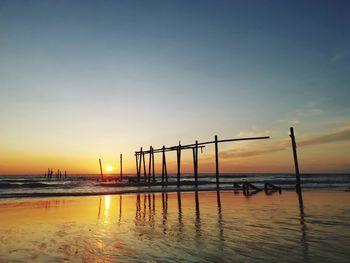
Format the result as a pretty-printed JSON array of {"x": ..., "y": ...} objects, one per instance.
[
  {"x": 165, "y": 209},
  {"x": 198, "y": 216},
  {"x": 303, "y": 240},
  {"x": 150, "y": 211},
  {"x": 99, "y": 208},
  {"x": 221, "y": 231},
  {"x": 144, "y": 207},
  {"x": 138, "y": 207},
  {"x": 120, "y": 209},
  {"x": 179, "y": 211}
]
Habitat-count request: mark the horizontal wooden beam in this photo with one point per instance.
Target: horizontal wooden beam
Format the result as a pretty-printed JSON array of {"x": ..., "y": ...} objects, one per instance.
[{"x": 201, "y": 144}]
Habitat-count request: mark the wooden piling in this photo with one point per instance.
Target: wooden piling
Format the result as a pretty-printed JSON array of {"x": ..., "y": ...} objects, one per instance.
[
  {"x": 178, "y": 155},
  {"x": 101, "y": 169},
  {"x": 144, "y": 167},
  {"x": 217, "y": 161},
  {"x": 149, "y": 165},
  {"x": 137, "y": 164},
  {"x": 121, "y": 167},
  {"x": 196, "y": 163},
  {"x": 153, "y": 172},
  {"x": 139, "y": 169},
  {"x": 163, "y": 161}
]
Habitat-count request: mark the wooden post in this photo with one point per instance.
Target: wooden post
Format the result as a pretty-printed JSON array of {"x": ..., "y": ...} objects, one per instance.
[
  {"x": 217, "y": 161},
  {"x": 149, "y": 164},
  {"x": 101, "y": 169},
  {"x": 195, "y": 158},
  {"x": 121, "y": 167},
  {"x": 139, "y": 169},
  {"x": 297, "y": 174},
  {"x": 153, "y": 173},
  {"x": 163, "y": 160},
  {"x": 137, "y": 164},
  {"x": 144, "y": 167},
  {"x": 65, "y": 174},
  {"x": 164, "y": 170},
  {"x": 178, "y": 155}
]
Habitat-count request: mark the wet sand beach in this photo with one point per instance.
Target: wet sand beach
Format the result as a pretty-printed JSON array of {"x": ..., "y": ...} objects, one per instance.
[{"x": 173, "y": 227}]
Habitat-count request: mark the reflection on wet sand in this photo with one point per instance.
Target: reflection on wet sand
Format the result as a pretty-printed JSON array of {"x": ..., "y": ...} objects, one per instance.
[{"x": 211, "y": 226}]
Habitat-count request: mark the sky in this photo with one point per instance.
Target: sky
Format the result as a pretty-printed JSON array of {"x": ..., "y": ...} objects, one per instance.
[{"x": 83, "y": 80}]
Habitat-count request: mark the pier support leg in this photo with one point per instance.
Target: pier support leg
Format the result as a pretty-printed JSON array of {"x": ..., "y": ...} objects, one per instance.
[
  {"x": 144, "y": 167},
  {"x": 217, "y": 161},
  {"x": 153, "y": 172},
  {"x": 149, "y": 164},
  {"x": 139, "y": 166},
  {"x": 178, "y": 155},
  {"x": 195, "y": 163}
]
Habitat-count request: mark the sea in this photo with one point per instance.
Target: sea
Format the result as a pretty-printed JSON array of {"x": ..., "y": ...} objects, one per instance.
[{"x": 15, "y": 186}]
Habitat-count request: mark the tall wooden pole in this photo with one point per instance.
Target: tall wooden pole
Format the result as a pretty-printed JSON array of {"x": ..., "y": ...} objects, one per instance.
[
  {"x": 101, "y": 169},
  {"x": 217, "y": 161},
  {"x": 121, "y": 167},
  {"x": 178, "y": 155},
  {"x": 297, "y": 174},
  {"x": 196, "y": 163}
]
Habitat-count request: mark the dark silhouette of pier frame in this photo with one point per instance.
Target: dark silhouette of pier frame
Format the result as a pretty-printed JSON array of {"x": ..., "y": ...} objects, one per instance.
[{"x": 140, "y": 159}]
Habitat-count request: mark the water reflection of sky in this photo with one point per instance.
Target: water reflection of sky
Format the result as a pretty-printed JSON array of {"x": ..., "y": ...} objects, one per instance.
[{"x": 184, "y": 226}]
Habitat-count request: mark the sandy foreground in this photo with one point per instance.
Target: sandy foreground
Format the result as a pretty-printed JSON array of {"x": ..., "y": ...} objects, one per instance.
[{"x": 204, "y": 226}]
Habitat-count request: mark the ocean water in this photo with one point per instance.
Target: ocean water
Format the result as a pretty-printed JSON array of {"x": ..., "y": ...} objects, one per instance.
[
  {"x": 178, "y": 227},
  {"x": 31, "y": 185}
]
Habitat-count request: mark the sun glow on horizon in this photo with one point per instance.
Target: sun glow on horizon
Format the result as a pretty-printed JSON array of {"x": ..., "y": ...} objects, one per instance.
[{"x": 109, "y": 168}]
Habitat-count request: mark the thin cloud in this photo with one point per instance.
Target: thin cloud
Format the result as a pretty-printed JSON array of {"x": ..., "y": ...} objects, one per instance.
[{"x": 337, "y": 136}]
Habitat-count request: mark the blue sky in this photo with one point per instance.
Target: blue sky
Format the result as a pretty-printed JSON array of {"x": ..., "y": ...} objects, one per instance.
[{"x": 100, "y": 77}]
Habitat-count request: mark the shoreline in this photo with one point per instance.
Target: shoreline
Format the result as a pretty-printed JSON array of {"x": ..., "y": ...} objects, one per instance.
[{"x": 146, "y": 191}]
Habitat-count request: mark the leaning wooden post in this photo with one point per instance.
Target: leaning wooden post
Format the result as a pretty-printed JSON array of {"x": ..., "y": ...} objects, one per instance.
[
  {"x": 101, "y": 169},
  {"x": 178, "y": 155},
  {"x": 121, "y": 167},
  {"x": 217, "y": 161},
  {"x": 139, "y": 169},
  {"x": 137, "y": 164},
  {"x": 297, "y": 174}
]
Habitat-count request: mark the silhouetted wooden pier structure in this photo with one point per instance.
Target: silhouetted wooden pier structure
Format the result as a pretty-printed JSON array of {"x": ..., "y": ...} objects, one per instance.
[{"x": 141, "y": 160}]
